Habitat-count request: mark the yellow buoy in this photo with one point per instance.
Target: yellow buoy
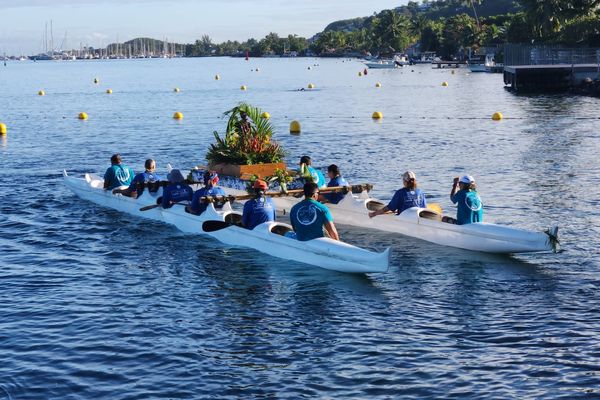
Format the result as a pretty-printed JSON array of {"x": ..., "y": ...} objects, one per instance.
[
  {"x": 444, "y": 84},
  {"x": 360, "y": 73},
  {"x": 109, "y": 91},
  {"x": 217, "y": 77},
  {"x": 177, "y": 90},
  {"x": 295, "y": 127},
  {"x": 377, "y": 115},
  {"x": 497, "y": 116},
  {"x": 178, "y": 115},
  {"x": 3, "y": 129},
  {"x": 243, "y": 87},
  {"x": 41, "y": 93},
  {"x": 311, "y": 86},
  {"x": 265, "y": 115},
  {"x": 378, "y": 84},
  {"x": 82, "y": 116},
  {"x": 96, "y": 81}
]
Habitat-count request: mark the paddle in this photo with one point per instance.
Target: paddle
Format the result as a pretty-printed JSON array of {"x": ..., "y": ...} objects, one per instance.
[
  {"x": 435, "y": 207},
  {"x": 213, "y": 226},
  {"x": 150, "y": 207}
]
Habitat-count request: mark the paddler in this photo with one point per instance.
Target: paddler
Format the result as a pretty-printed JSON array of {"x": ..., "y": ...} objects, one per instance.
[
  {"x": 309, "y": 217},
  {"x": 407, "y": 197},
  {"x": 211, "y": 180},
  {"x": 117, "y": 175},
  {"x": 148, "y": 176},
  {"x": 469, "y": 205},
  {"x": 307, "y": 169},
  {"x": 177, "y": 191},
  {"x": 335, "y": 180},
  {"x": 260, "y": 209}
]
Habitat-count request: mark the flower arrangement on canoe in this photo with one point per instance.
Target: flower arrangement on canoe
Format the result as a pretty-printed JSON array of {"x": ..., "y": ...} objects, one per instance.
[
  {"x": 247, "y": 140},
  {"x": 280, "y": 177}
]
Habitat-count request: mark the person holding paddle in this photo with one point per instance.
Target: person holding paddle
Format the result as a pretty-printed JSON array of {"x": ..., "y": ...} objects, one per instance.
[
  {"x": 306, "y": 170},
  {"x": 335, "y": 180},
  {"x": 407, "y": 197},
  {"x": 469, "y": 205},
  {"x": 148, "y": 176},
  {"x": 309, "y": 217},
  {"x": 211, "y": 180},
  {"x": 177, "y": 191},
  {"x": 260, "y": 209}
]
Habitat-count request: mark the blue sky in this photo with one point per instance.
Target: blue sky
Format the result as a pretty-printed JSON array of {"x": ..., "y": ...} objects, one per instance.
[{"x": 99, "y": 22}]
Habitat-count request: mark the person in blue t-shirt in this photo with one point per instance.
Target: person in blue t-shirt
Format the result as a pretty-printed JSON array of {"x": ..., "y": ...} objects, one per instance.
[
  {"x": 407, "y": 197},
  {"x": 336, "y": 180},
  {"x": 316, "y": 175},
  {"x": 211, "y": 180},
  {"x": 177, "y": 191},
  {"x": 136, "y": 188},
  {"x": 117, "y": 174},
  {"x": 259, "y": 209},
  {"x": 469, "y": 204},
  {"x": 309, "y": 216}
]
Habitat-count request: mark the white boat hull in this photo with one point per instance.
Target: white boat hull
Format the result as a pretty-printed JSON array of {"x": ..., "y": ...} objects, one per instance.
[
  {"x": 427, "y": 225},
  {"x": 323, "y": 252}
]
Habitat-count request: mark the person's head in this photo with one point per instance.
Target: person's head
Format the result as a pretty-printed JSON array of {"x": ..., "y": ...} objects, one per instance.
[
  {"x": 211, "y": 178},
  {"x": 333, "y": 171},
  {"x": 305, "y": 160},
  {"x": 243, "y": 115},
  {"x": 409, "y": 179},
  {"x": 260, "y": 187},
  {"x": 150, "y": 165},
  {"x": 115, "y": 159},
  {"x": 311, "y": 190},
  {"x": 467, "y": 182},
  {"x": 175, "y": 176}
]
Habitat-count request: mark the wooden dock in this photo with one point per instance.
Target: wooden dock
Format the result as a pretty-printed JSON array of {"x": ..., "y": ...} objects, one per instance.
[
  {"x": 549, "y": 77},
  {"x": 448, "y": 64}
]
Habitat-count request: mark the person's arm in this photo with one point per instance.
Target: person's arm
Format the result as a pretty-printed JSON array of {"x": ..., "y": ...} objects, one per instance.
[
  {"x": 166, "y": 200},
  {"x": 393, "y": 205},
  {"x": 106, "y": 180},
  {"x": 454, "y": 190},
  {"x": 246, "y": 215},
  {"x": 330, "y": 228}
]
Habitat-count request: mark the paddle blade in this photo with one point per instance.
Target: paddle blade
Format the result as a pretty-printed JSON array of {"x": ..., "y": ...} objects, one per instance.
[
  {"x": 146, "y": 208},
  {"x": 435, "y": 207},
  {"x": 212, "y": 226}
]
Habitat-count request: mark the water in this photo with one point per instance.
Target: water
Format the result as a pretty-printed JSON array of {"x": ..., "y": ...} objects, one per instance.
[{"x": 97, "y": 304}]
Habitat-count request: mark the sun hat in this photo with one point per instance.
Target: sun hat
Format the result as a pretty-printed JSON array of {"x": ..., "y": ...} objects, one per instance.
[
  {"x": 260, "y": 184},
  {"x": 175, "y": 176},
  {"x": 467, "y": 179},
  {"x": 408, "y": 175}
]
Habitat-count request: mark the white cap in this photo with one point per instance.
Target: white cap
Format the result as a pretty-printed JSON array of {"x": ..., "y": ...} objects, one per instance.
[
  {"x": 468, "y": 179},
  {"x": 408, "y": 175}
]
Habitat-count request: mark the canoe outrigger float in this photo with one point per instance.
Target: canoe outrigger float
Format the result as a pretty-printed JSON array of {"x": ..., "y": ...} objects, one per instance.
[
  {"x": 427, "y": 225},
  {"x": 268, "y": 238}
]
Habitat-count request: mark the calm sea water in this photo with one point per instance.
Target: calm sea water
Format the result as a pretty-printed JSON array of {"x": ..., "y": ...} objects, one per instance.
[{"x": 97, "y": 304}]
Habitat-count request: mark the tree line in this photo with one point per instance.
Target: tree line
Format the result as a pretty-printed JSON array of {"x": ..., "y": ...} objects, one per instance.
[{"x": 447, "y": 27}]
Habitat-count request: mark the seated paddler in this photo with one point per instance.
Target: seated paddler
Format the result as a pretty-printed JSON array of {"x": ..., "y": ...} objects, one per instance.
[
  {"x": 407, "y": 197},
  {"x": 177, "y": 191},
  {"x": 309, "y": 217},
  {"x": 211, "y": 188},
  {"x": 307, "y": 170},
  {"x": 260, "y": 209},
  {"x": 118, "y": 175},
  {"x": 469, "y": 205},
  {"x": 335, "y": 180},
  {"x": 149, "y": 176}
]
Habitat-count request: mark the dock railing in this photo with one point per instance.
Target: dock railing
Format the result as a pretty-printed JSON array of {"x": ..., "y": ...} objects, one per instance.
[{"x": 524, "y": 54}]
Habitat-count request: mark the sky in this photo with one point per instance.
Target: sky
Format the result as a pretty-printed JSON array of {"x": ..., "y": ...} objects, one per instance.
[{"x": 100, "y": 22}]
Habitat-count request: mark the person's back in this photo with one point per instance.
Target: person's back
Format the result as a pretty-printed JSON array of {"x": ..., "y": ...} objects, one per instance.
[
  {"x": 469, "y": 205},
  {"x": 317, "y": 176},
  {"x": 211, "y": 179},
  {"x": 260, "y": 209},
  {"x": 118, "y": 174},
  {"x": 136, "y": 188},
  {"x": 177, "y": 191},
  {"x": 309, "y": 216},
  {"x": 336, "y": 180},
  {"x": 405, "y": 198}
]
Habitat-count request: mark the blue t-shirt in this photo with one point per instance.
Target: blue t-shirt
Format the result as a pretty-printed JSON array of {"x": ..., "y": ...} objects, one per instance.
[
  {"x": 118, "y": 175},
  {"x": 176, "y": 192},
  {"x": 144, "y": 177},
  {"x": 308, "y": 217},
  {"x": 317, "y": 176},
  {"x": 258, "y": 211},
  {"x": 335, "y": 198},
  {"x": 469, "y": 207},
  {"x": 199, "y": 207},
  {"x": 404, "y": 199}
]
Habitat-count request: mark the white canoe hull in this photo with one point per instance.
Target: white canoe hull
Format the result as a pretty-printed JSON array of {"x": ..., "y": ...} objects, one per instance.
[
  {"x": 427, "y": 225},
  {"x": 322, "y": 252}
]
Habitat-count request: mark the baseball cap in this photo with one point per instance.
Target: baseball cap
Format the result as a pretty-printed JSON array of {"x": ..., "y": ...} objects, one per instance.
[
  {"x": 408, "y": 175},
  {"x": 260, "y": 184},
  {"x": 468, "y": 179}
]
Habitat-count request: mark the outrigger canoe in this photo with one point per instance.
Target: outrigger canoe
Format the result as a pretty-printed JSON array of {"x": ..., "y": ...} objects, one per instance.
[
  {"x": 268, "y": 238},
  {"x": 427, "y": 225}
]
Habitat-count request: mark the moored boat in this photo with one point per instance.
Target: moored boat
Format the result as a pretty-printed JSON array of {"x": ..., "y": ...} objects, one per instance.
[
  {"x": 269, "y": 238},
  {"x": 427, "y": 225}
]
